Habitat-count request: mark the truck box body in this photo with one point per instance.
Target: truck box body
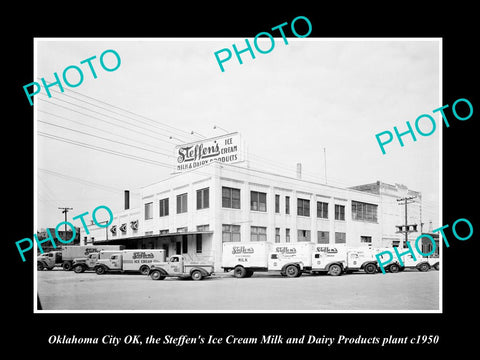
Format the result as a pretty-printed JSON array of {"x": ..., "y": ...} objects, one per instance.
[
  {"x": 134, "y": 259},
  {"x": 72, "y": 252},
  {"x": 252, "y": 254},
  {"x": 357, "y": 257},
  {"x": 131, "y": 260},
  {"x": 300, "y": 252}
]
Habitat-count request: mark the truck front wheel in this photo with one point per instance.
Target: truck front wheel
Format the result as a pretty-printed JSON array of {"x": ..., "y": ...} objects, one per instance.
[
  {"x": 239, "y": 272},
  {"x": 394, "y": 268},
  {"x": 144, "y": 270},
  {"x": 196, "y": 275},
  {"x": 67, "y": 266},
  {"x": 335, "y": 270},
  {"x": 370, "y": 268},
  {"x": 156, "y": 275},
  {"x": 292, "y": 271},
  {"x": 100, "y": 270},
  {"x": 78, "y": 269},
  {"x": 40, "y": 266},
  {"x": 437, "y": 266},
  {"x": 423, "y": 267}
]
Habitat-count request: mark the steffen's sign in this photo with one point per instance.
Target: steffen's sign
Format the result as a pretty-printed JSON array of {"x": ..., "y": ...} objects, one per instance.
[{"x": 225, "y": 149}]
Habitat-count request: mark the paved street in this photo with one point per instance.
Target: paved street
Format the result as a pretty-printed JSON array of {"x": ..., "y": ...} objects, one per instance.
[{"x": 408, "y": 290}]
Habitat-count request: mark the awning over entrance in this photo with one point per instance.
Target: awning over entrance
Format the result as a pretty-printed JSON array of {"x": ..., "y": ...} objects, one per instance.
[{"x": 134, "y": 239}]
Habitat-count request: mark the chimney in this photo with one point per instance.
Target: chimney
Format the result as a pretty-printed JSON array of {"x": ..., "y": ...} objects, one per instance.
[
  {"x": 299, "y": 170},
  {"x": 127, "y": 199}
]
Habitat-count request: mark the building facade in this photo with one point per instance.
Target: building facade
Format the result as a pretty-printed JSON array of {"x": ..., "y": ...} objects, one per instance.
[{"x": 194, "y": 212}]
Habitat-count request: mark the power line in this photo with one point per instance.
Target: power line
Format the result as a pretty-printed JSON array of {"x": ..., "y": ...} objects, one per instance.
[
  {"x": 109, "y": 116},
  {"x": 101, "y": 130},
  {"x": 106, "y": 139},
  {"x": 127, "y": 156},
  {"x": 108, "y": 122},
  {"x": 81, "y": 181},
  {"x": 117, "y": 107}
]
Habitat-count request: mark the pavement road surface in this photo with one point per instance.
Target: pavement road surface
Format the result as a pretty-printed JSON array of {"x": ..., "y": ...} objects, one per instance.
[{"x": 407, "y": 290}]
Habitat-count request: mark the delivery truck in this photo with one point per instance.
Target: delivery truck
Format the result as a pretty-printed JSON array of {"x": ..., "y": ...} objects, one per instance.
[
  {"x": 421, "y": 263},
  {"x": 245, "y": 258},
  {"x": 338, "y": 259},
  {"x": 83, "y": 264},
  {"x": 138, "y": 260},
  {"x": 67, "y": 254},
  {"x": 177, "y": 266}
]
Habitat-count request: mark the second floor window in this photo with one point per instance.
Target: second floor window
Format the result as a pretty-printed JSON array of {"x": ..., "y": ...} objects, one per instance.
[
  {"x": 258, "y": 201},
  {"x": 339, "y": 212},
  {"x": 303, "y": 207},
  {"x": 182, "y": 203},
  {"x": 148, "y": 211},
  {"x": 322, "y": 210},
  {"x": 164, "y": 207},
  {"x": 203, "y": 198},
  {"x": 230, "y": 198}
]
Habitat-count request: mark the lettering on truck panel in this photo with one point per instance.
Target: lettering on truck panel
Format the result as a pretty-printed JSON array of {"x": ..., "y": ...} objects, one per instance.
[
  {"x": 143, "y": 254},
  {"x": 242, "y": 250}
]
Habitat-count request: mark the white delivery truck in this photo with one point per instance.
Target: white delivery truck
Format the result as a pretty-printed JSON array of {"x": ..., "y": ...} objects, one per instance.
[
  {"x": 130, "y": 260},
  {"x": 329, "y": 259},
  {"x": 338, "y": 258},
  {"x": 420, "y": 263},
  {"x": 245, "y": 258},
  {"x": 67, "y": 254}
]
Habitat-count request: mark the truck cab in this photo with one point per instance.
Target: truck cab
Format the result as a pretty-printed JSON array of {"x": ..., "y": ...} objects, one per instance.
[
  {"x": 49, "y": 260},
  {"x": 361, "y": 259},
  {"x": 112, "y": 263},
  {"x": 80, "y": 265},
  {"x": 328, "y": 262},
  {"x": 287, "y": 267}
]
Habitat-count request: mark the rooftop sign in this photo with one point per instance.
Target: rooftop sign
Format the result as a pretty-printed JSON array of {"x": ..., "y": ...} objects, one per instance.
[{"x": 225, "y": 149}]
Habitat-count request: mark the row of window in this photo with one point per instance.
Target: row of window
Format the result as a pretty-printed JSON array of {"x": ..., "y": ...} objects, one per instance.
[
  {"x": 258, "y": 202},
  {"x": 203, "y": 202},
  {"x": 259, "y": 233}
]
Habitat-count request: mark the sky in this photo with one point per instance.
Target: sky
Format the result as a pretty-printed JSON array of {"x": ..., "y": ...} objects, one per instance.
[{"x": 295, "y": 104}]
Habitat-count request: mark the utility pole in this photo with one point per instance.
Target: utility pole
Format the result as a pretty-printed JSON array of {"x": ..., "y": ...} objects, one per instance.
[
  {"x": 65, "y": 211},
  {"x": 406, "y": 199}
]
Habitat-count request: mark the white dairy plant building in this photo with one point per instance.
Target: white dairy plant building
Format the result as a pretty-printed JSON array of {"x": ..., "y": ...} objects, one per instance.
[{"x": 218, "y": 198}]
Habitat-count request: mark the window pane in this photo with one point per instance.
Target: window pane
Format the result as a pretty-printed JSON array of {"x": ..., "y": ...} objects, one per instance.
[
  {"x": 226, "y": 192},
  {"x": 323, "y": 237},
  {"x": 340, "y": 238},
  {"x": 226, "y": 236},
  {"x": 206, "y": 198},
  {"x": 226, "y": 202},
  {"x": 199, "y": 199},
  {"x": 148, "y": 211},
  {"x": 236, "y": 204}
]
